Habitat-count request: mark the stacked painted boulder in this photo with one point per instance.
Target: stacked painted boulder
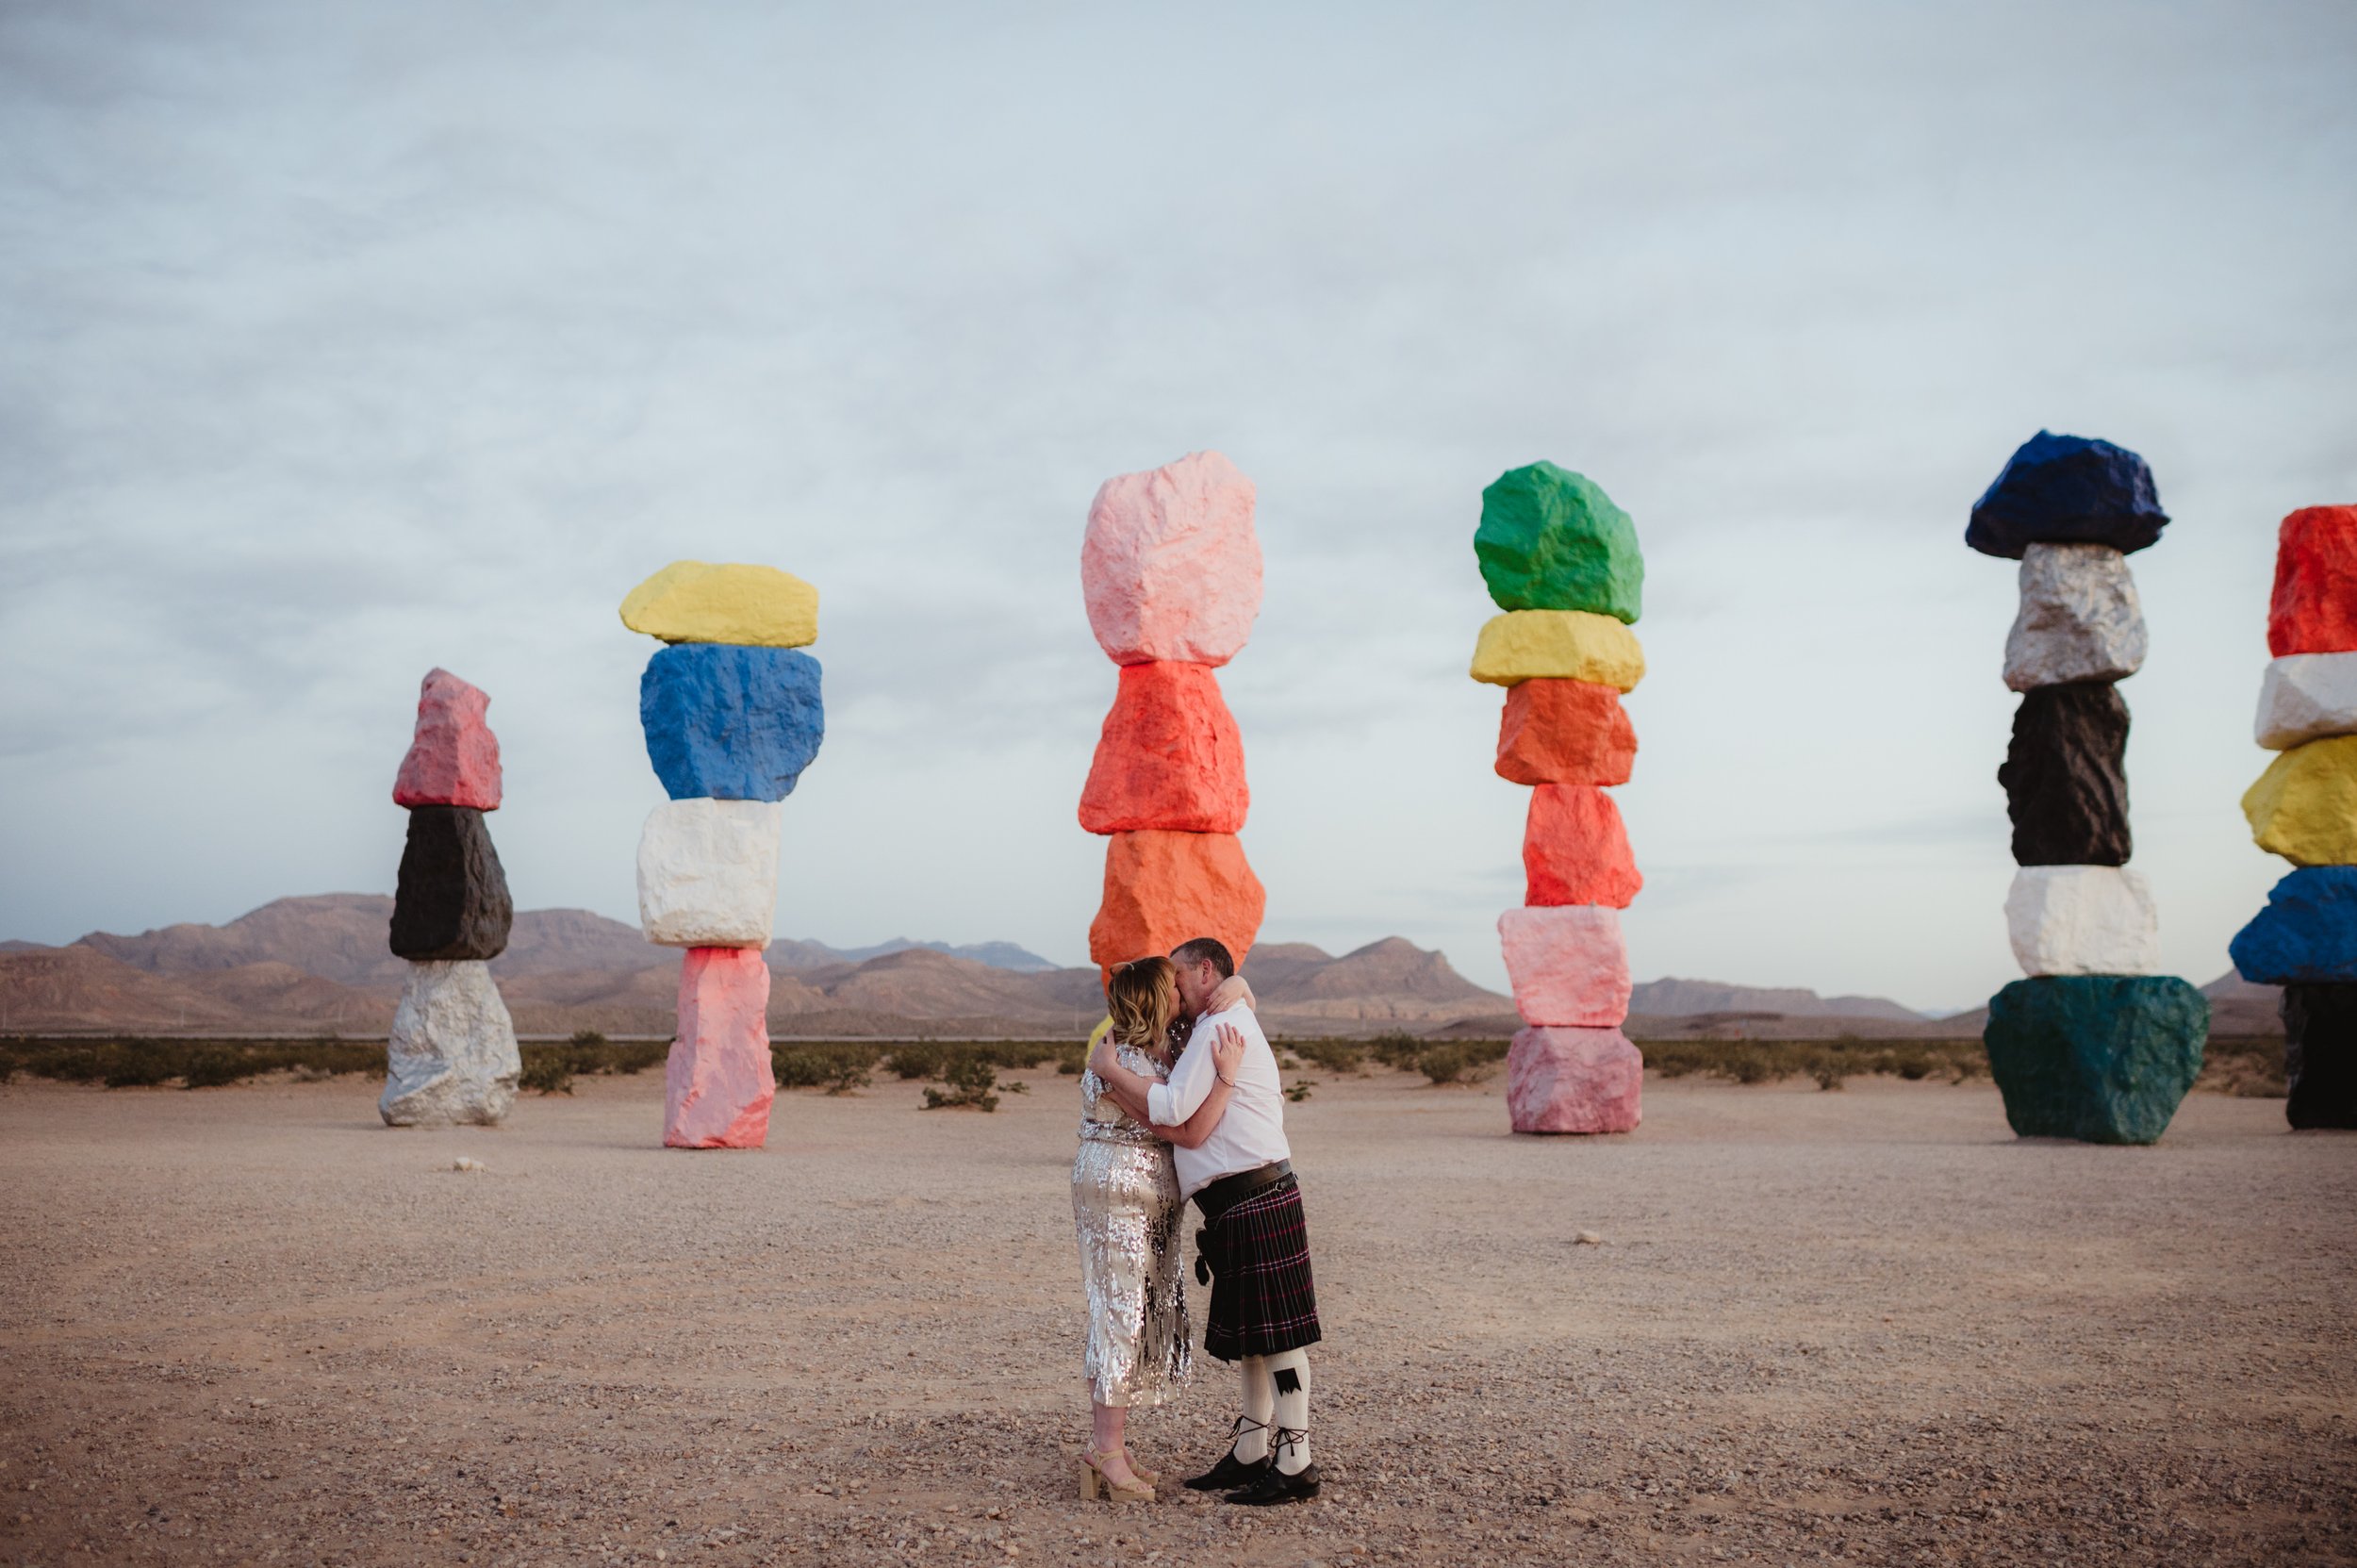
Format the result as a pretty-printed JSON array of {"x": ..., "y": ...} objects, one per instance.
[
  {"x": 2305, "y": 808},
  {"x": 733, "y": 713},
  {"x": 1171, "y": 569},
  {"x": 453, "y": 1055},
  {"x": 1563, "y": 564},
  {"x": 2096, "y": 1045}
]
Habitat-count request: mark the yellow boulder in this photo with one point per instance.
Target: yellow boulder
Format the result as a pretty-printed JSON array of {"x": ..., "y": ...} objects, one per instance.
[
  {"x": 697, "y": 601},
  {"x": 2304, "y": 806},
  {"x": 1572, "y": 645}
]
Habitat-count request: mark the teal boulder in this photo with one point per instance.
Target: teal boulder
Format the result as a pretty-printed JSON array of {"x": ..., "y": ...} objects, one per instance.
[
  {"x": 2105, "y": 1058},
  {"x": 1551, "y": 539}
]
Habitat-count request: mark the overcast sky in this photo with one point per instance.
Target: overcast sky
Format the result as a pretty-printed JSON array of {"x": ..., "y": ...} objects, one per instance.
[{"x": 343, "y": 341}]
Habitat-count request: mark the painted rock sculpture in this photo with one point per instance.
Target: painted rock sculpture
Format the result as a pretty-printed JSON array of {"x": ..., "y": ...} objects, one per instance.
[
  {"x": 1562, "y": 562},
  {"x": 453, "y": 1055},
  {"x": 2305, "y": 808},
  {"x": 733, "y": 713},
  {"x": 1170, "y": 568},
  {"x": 2095, "y": 1046}
]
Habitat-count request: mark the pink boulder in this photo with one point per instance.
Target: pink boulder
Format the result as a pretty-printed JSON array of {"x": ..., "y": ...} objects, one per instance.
[
  {"x": 1575, "y": 850},
  {"x": 1170, "y": 756},
  {"x": 1574, "y": 1081},
  {"x": 718, "y": 1086},
  {"x": 1568, "y": 964},
  {"x": 1170, "y": 565},
  {"x": 455, "y": 759}
]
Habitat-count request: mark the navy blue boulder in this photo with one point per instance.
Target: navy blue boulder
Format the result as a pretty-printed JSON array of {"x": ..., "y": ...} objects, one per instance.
[
  {"x": 727, "y": 722},
  {"x": 2307, "y": 934},
  {"x": 2067, "y": 489}
]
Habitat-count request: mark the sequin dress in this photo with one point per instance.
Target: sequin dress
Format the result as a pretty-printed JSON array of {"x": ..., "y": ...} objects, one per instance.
[{"x": 1125, "y": 1205}]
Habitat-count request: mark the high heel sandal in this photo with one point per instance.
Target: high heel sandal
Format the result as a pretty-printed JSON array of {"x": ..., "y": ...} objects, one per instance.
[
  {"x": 1140, "y": 1471},
  {"x": 1093, "y": 1479}
]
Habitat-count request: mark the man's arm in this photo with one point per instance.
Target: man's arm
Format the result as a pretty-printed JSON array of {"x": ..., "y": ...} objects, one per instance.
[{"x": 1173, "y": 1103}]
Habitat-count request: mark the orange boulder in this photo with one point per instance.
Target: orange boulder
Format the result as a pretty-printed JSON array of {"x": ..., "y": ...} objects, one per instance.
[
  {"x": 1575, "y": 852},
  {"x": 1565, "y": 732},
  {"x": 1162, "y": 888},
  {"x": 1170, "y": 756}
]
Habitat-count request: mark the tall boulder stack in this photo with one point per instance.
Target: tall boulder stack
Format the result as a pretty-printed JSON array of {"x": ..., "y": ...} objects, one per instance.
[
  {"x": 1170, "y": 568},
  {"x": 2096, "y": 1045},
  {"x": 733, "y": 713},
  {"x": 1563, "y": 564},
  {"x": 2305, "y": 808},
  {"x": 453, "y": 1055}
]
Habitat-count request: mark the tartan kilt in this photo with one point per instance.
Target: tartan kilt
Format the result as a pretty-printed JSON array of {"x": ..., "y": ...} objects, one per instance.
[{"x": 1262, "y": 1298}]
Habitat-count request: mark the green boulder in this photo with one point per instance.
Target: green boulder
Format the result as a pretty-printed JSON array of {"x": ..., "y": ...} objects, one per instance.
[
  {"x": 2103, "y": 1059},
  {"x": 1551, "y": 539}
]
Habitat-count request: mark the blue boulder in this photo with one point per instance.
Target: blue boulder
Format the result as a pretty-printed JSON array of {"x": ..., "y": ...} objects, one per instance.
[
  {"x": 726, "y": 722},
  {"x": 2307, "y": 934},
  {"x": 2067, "y": 489},
  {"x": 2103, "y": 1059}
]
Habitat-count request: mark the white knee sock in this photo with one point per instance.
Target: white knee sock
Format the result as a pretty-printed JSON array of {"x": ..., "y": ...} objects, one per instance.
[
  {"x": 1289, "y": 1380},
  {"x": 1259, "y": 1405}
]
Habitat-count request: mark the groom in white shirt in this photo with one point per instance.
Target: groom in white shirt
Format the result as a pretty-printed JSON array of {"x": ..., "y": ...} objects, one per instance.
[{"x": 1254, "y": 1247}]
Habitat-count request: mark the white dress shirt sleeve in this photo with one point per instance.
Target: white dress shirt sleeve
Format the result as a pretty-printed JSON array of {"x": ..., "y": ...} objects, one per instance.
[{"x": 1170, "y": 1104}]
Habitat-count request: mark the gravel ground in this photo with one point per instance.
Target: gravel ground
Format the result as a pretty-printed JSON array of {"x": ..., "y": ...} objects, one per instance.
[{"x": 251, "y": 1324}]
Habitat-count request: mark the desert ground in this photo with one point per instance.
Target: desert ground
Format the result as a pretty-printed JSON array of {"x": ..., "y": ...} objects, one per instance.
[{"x": 251, "y": 1324}]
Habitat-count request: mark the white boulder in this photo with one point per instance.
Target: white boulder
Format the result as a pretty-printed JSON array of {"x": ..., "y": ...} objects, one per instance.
[
  {"x": 2307, "y": 696},
  {"x": 2084, "y": 920},
  {"x": 452, "y": 1056},
  {"x": 708, "y": 873},
  {"x": 2079, "y": 617}
]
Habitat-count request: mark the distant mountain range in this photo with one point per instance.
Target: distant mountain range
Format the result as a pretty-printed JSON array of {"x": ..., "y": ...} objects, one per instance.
[{"x": 319, "y": 964}]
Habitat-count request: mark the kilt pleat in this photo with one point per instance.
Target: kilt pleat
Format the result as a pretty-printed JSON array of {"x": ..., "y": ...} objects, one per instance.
[{"x": 1264, "y": 1299}]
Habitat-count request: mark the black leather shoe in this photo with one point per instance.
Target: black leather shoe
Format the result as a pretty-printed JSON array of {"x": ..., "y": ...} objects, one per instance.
[
  {"x": 1274, "y": 1486},
  {"x": 1229, "y": 1473}
]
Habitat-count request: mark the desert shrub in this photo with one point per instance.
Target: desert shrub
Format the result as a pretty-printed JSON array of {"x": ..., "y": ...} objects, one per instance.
[
  {"x": 1460, "y": 1062},
  {"x": 1300, "y": 1091},
  {"x": 134, "y": 1065},
  {"x": 212, "y": 1066},
  {"x": 587, "y": 1039},
  {"x": 1334, "y": 1056},
  {"x": 836, "y": 1067},
  {"x": 548, "y": 1069},
  {"x": 971, "y": 1080},
  {"x": 1396, "y": 1047},
  {"x": 918, "y": 1058}
]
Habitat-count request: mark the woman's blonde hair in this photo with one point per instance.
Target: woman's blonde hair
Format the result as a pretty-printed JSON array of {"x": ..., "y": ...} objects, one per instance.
[{"x": 1144, "y": 998}]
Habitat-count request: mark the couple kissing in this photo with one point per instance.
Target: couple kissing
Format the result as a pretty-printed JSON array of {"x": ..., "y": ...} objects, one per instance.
[{"x": 1181, "y": 1102}]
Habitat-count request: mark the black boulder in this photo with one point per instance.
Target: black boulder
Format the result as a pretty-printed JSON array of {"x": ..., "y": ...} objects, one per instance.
[
  {"x": 2066, "y": 776},
  {"x": 2320, "y": 1054},
  {"x": 451, "y": 900}
]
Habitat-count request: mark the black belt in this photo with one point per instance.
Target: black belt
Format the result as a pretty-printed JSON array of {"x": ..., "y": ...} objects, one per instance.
[{"x": 1215, "y": 1198}]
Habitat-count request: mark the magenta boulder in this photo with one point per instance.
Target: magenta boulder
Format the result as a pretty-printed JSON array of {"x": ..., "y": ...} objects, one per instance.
[
  {"x": 453, "y": 759},
  {"x": 1568, "y": 965},
  {"x": 1574, "y": 1081},
  {"x": 718, "y": 1084}
]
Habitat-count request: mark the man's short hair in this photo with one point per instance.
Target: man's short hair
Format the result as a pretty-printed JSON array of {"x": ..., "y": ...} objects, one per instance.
[{"x": 1204, "y": 949}]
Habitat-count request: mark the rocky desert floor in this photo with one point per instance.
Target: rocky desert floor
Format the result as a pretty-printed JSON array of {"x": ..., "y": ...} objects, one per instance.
[{"x": 251, "y": 1324}]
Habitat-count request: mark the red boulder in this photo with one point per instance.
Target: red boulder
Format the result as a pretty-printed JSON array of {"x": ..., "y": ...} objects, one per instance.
[
  {"x": 1170, "y": 756},
  {"x": 1565, "y": 732},
  {"x": 2315, "y": 608},
  {"x": 1575, "y": 852},
  {"x": 1162, "y": 888}
]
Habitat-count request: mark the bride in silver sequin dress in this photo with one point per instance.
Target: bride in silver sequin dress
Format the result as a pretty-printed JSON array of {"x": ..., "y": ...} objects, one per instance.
[{"x": 1126, "y": 1206}]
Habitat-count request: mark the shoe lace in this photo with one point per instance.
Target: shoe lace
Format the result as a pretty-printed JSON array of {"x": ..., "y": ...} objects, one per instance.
[
  {"x": 1236, "y": 1431},
  {"x": 1287, "y": 1436}
]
